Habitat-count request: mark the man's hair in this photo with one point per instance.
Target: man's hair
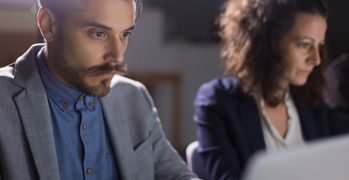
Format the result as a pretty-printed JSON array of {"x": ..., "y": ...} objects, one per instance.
[
  {"x": 58, "y": 7},
  {"x": 251, "y": 31}
]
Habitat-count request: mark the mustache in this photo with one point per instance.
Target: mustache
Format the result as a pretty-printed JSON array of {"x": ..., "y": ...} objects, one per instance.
[{"x": 120, "y": 68}]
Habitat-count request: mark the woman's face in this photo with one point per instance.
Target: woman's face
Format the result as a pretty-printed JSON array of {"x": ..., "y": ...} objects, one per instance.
[{"x": 300, "y": 48}]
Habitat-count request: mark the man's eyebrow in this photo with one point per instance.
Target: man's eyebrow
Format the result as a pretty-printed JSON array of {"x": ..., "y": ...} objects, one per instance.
[
  {"x": 99, "y": 25},
  {"x": 130, "y": 28},
  {"x": 96, "y": 25}
]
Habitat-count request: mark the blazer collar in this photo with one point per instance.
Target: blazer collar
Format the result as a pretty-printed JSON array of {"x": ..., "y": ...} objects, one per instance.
[
  {"x": 34, "y": 111},
  {"x": 308, "y": 122},
  {"x": 251, "y": 122}
]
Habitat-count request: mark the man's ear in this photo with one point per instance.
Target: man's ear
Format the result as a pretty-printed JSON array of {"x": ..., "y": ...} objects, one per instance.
[{"x": 47, "y": 23}]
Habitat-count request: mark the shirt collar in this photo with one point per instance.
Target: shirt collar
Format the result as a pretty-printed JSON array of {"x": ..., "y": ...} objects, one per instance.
[{"x": 63, "y": 95}]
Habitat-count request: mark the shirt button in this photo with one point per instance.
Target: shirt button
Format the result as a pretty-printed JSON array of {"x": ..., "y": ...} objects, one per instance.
[
  {"x": 89, "y": 170},
  {"x": 81, "y": 97},
  {"x": 65, "y": 106},
  {"x": 92, "y": 106},
  {"x": 84, "y": 126}
]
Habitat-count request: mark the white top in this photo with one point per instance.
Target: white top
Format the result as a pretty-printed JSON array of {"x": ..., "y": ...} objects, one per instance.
[{"x": 273, "y": 139}]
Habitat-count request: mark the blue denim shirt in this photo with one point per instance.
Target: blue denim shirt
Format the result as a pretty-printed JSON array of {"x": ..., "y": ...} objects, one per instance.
[{"x": 81, "y": 138}]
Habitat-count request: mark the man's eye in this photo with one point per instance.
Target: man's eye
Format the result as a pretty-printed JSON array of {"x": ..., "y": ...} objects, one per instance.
[
  {"x": 98, "y": 35},
  {"x": 126, "y": 34}
]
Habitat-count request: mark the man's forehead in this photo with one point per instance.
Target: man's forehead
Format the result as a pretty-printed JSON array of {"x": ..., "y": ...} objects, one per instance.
[
  {"x": 63, "y": 3},
  {"x": 80, "y": 4},
  {"x": 102, "y": 12}
]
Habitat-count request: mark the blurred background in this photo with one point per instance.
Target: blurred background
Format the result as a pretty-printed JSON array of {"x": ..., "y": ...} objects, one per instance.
[{"x": 174, "y": 50}]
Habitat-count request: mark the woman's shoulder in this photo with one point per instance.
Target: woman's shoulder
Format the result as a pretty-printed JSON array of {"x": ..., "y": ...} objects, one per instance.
[
  {"x": 221, "y": 88},
  {"x": 225, "y": 83}
]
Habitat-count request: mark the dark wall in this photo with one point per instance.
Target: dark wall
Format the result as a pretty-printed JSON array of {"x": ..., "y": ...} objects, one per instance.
[
  {"x": 338, "y": 27},
  {"x": 193, "y": 21},
  {"x": 13, "y": 44},
  {"x": 190, "y": 20}
]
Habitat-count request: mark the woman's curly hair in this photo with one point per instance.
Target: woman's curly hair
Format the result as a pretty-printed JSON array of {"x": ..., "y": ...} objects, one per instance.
[{"x": 251, "y": 31}]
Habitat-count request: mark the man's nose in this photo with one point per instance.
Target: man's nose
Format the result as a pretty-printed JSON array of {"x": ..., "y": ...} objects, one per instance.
[{"x": 117, "y": 51}]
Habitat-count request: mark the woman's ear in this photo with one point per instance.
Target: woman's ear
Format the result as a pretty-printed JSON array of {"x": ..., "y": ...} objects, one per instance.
[{"x": 47, "y": 23}]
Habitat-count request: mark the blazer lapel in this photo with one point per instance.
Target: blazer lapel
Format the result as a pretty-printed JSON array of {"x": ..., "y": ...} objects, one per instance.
[
  {"x": 34, "y": 111},
  {"x": 308, "y": 123},
  {"x": 119, "y": 135},
  {"x": 251, "y": 122}
]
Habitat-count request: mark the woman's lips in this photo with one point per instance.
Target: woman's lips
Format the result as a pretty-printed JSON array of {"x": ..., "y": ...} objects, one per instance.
[{"x": 306, "y": 72}]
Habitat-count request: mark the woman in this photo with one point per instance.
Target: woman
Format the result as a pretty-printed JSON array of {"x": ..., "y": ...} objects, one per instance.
[{"x": 272, "y": 96}]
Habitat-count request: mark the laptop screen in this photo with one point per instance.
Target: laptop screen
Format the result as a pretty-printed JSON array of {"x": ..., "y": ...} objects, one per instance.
[{"x": 321, "y": 160}]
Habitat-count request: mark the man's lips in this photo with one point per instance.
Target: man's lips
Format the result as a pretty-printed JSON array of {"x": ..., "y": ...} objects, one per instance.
[
  {"x": 106, "y": 74},
  {"x": 107, "y": 70}
]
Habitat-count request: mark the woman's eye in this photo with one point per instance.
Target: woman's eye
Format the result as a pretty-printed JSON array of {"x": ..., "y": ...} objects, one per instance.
[
  {"x": 303, "y": 45},
  {"x": 98, "y": 35}
]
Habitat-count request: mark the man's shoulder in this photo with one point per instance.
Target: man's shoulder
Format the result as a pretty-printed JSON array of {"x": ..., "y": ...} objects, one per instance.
[
  {"x": 7, "y": 72},
  {"x": 128, "y": 89},
  {"x": 23, "y": 67},
  {"x": 121, "y": 81},
  {"x": 7, "y": 86},
  {"x": 7, "y": 78},
  {"x": 121, "y": 84}
]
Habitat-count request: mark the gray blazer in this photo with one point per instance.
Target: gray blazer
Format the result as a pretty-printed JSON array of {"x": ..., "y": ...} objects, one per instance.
[{"x": 27, "y": 145}]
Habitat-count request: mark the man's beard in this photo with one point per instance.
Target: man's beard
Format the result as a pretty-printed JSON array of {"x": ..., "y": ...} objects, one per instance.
[
  {"x": 75, "y": 76},
  {"x": 103, "y": 87}
]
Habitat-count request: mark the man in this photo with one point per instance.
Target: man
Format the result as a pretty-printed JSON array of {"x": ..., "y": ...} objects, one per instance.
[
  {"x": 337, "y": 89},
  {"x": 66, "y": 113}
]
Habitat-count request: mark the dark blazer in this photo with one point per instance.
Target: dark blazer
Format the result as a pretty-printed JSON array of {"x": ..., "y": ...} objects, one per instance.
[{"x": 229, "y": 128}]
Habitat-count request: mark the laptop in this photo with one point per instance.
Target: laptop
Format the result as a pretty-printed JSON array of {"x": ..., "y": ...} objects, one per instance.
[{"x": 322, "y": 160}]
